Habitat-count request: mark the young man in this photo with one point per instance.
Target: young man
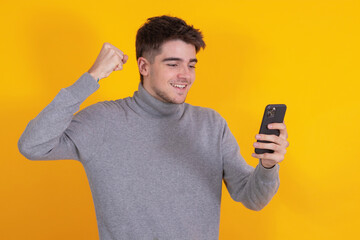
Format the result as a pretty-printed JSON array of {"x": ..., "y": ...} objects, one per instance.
[{"x": 155, "y": 164}]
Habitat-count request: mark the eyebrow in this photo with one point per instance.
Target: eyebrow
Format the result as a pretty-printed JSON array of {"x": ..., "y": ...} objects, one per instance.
[{"x": 178, "y": 59}]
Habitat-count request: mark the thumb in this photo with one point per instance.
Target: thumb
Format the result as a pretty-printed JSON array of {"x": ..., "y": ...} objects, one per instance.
[{"x": 126, "y": 57}]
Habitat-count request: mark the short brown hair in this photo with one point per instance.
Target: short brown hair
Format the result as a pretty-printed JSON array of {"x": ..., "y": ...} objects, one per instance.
[{"x": 157, "y": 30}]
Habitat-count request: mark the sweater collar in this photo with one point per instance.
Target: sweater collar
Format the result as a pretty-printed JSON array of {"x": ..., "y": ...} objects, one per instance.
[{"x": 155, "y": 107}]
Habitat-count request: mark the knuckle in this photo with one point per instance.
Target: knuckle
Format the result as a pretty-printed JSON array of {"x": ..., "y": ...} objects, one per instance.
[
  {"x": 275, "y": 147},
  {"x": 118, "y": 67},
  {"x": 273, "y": 138},
  {"x": 120, "y": 58},
  {"x": 111, "y": 50}
]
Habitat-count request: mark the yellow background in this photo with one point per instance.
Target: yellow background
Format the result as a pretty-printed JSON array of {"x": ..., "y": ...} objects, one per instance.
[{"x": 301, "y": 53}]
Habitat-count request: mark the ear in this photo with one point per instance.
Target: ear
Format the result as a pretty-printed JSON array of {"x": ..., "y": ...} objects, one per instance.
[{"x": 144, "y": 66}]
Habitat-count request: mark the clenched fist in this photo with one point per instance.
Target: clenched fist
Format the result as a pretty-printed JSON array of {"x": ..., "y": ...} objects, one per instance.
[{"x": 110, "y": 59}]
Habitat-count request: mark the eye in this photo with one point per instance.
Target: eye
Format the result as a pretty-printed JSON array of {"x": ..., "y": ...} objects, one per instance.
[
  {"x": 172, "y": 65},
  {"x": 192, "y": 66}
]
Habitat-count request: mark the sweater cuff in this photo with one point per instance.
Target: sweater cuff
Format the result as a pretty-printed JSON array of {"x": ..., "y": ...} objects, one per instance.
[
  {"x": 268, "y": 174},
  {"x": 83, "y": 87}
]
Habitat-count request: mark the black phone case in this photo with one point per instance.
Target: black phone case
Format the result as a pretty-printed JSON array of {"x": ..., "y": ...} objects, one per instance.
[{"x": 274, "y": 113}]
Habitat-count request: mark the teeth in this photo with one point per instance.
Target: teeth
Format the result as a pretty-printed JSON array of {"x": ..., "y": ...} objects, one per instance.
[{"x": 179, "y": 86}]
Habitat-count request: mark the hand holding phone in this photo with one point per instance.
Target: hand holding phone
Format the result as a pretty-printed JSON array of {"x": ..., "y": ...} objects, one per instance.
[{"x": 274, "y": 113}]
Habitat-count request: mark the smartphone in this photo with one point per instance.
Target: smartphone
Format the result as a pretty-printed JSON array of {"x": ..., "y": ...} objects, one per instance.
[{"x": 274, "y": 113}]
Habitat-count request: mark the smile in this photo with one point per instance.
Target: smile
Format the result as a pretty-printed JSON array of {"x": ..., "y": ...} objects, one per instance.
[{"x": 181, "y": 86}]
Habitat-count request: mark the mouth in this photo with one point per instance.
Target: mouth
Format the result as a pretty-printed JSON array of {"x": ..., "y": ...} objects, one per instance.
[{"x": 179, "y": 86}]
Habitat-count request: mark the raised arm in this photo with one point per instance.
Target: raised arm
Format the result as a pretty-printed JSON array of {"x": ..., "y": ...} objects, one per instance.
[{"x": 55, "y": 133}]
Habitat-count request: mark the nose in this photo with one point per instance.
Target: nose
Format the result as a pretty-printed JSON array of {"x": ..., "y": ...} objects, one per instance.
[{"x": 184, "y": 73}]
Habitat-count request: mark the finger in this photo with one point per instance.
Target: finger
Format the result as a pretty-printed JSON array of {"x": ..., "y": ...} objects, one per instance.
[
  {"x": 118, "y": 67},
  {"x": 107, "y": 45},
  {"x": 115, "y": 52},
  {"x": 122, "y": 58},
  {"x": 125, "y": 58},
  {"x": 269, "y": 156},
  {"x": 272, "y": 138},
  {"x": 271, "y": 146},
  {"x": 119, "y": 52},
  {"x": 119, "y": 60},
  {"x": 281, "y": 127},
  {"x": 283, "y": 132}
]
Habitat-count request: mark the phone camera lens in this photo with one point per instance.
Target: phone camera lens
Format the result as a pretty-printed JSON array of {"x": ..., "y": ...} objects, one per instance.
[{"x": 271, "y": 112}]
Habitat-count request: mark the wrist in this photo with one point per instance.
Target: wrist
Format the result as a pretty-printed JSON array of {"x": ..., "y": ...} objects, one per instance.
[{"x": 95, "y": 75}]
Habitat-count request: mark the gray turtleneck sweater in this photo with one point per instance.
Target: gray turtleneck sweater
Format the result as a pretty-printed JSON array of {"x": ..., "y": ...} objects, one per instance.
[{"x": 155, "y": 169}]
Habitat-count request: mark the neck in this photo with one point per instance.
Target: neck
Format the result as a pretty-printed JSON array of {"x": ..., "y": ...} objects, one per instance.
[{"x": 155, "y": 107}]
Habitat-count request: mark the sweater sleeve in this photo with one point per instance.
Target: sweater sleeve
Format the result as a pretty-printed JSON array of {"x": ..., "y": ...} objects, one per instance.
[
  {"x": 253, "y": 187},
  {"x": 55, "y": 133}
]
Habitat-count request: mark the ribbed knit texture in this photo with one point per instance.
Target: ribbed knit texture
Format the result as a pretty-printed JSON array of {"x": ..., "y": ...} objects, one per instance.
[{"x": 155, "y": 169}]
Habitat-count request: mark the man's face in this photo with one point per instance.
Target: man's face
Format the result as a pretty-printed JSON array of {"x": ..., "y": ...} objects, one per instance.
[{"x": 172, "y": 72}]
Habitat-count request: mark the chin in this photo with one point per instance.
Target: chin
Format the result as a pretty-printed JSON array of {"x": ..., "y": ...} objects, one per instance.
[
  {"x": 174, "y": 101},
  {"x": 170, "y": 97},
  {"x": 178, "y": 101}
]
